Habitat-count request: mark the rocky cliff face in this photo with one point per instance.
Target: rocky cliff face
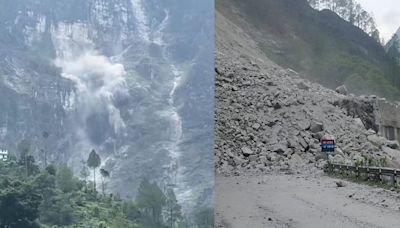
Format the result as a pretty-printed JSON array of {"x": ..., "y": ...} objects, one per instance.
[
  {"x": 268, "y": 118},
  {"x": 129, "y": 78}
]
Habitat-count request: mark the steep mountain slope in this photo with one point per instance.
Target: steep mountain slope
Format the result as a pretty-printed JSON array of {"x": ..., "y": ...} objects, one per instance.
[
  {"x": 268, "y": 122},
  {"x": 393, "y": 46},
  {"x": 318, "y": 44},
  {"x": 129, "y": 78}
]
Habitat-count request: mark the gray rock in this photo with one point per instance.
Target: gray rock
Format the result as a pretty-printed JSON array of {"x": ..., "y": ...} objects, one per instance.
[
  {"x": 239, "y": 161},
  {"x": 359, "y": 122},
  {"x": 279, "y": 148},
  {"x": 304, "y": 124},
  {"x": 296, "y": 161},
  {"x": 316, "y": 127},
  {"x": 303, "y": 86},
  {"x": 292, "y": 143},
  {"x": 391, "y": 152},
  {"x": 263, "y": 159},
  {"x": 339, "y": 151},
  {"x": 256, "y": 126},
  {"x": 392, "y": 144},
  {"x": 247, "y": 151},
  {"x": 340, "y": 184},
  {"x": 277, "y": 105},
  {"x": 370, "y": 132},
  {"x": 342, "y": 90},
  {"x": 377, "y": 140},
  {"x": 318, "y": 135},
  {"x": 253, "y": 158},
  {"x": 303, "y": 143},
  {"x": 321, "y": 156}
]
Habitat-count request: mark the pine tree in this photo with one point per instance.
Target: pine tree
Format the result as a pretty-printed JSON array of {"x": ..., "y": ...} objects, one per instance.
[
  {"x": 94, "y": 162},
  {"x": 45, "y": 135},
  {"x": 104, "y": 174},
  {"x": 84, "y": 171},
  {"x": 173, "y": 212},
  {"x": 151, "y": 201}
]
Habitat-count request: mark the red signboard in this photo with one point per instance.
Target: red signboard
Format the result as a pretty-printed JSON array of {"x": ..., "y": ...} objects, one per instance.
[{"x": 327, "y": 141}]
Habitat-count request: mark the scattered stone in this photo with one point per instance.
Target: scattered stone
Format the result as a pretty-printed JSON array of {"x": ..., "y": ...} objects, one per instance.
[
  {"x": 279, "y": 148},
  {"x": 359, "y": 122},
  {"x": 269, "y": 119},
  {"x": 393, "y": 144},
  {"x": 377, "y": 140},
  {"x": 370, "y": 132},
  {"x": 296, "y": 161},
  {"x": 304, "y": 124},
  {"x": 256, "y": 126},
  {"x": 340, "y": 184},
  {"x": 342, "y": 90},
  {"x": 239, "y": 161},
  {"x": 247, "y": 151},
  {"x": 303, "y": 86},
  {"x": 316, "y": 127}
]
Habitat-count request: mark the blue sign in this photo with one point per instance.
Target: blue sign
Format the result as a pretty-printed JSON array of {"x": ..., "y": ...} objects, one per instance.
[{"x": 328, "y": 145}]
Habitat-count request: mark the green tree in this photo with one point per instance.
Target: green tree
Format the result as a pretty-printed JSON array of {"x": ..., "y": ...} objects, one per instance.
[
  {"x": 130, "y": 210},
  {"x": 84, "y": 171},
  {"x": 65, "y": 179},
  {"x": 55, "y": 208},
  {"x": 151, "y": 201},
  {"x": 104, "y": 175},
  {"x": 24, "y": 148},
  {"x": 19, "y": 206},
  {"x": 45, "y": 135},
  {"x": 204, "y": 218},
  {"x": 173, "y": 213},
  {"x": 51, "y": 169},
  {"x": 94, "y": 162}
]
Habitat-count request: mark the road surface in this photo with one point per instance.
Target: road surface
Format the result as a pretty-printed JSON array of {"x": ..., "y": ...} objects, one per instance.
[{"x": 302, "y": 202}]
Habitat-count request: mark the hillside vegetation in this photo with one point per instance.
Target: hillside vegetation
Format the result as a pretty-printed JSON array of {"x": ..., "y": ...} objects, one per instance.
[
  {"x": 33, "y": 197},
  {"x": 320, "y": 45},
  {"x": 352, "y": 12}
]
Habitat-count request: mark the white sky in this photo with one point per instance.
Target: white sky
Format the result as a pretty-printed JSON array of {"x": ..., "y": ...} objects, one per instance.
[{"x": 386, "y": 14}]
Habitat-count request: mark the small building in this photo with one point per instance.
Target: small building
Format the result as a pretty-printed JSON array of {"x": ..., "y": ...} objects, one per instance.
[
  {"x": 387, "y": 117},
  {"x": 3, "y": 155}
]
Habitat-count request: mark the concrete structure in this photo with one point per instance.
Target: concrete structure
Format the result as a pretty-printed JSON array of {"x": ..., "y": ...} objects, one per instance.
[
  {"x": 3, "y": 155},
  {"x": 387, "y": 117}
]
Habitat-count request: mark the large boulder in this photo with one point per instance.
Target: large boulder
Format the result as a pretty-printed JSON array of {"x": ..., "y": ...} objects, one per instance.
[
  {"x": 342, "y": 90},
  {"x": 391, "y": 152},
  {"x": 359, "y": 123},
  {"x": 377, "y": 140},
  {"x": 316, "y": 127},
  {"x": 279, "y": 148},
  {"x": 296, "y": 161},
  {"x": 392, "y": 144},
  {"x": 247, "y": 151},
  {"x": 304, "y": 124},
  {"x": 303, "y": 86}
]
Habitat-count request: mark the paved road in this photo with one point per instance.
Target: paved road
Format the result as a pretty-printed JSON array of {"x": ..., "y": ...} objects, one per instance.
[{"x": 300, "y": 202}]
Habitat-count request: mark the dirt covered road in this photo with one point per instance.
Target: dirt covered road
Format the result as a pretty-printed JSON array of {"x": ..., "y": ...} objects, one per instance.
[{"x": 302, "y": 202}]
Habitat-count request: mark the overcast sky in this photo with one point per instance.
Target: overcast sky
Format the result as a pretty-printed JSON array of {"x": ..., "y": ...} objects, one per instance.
[{"x": 386, "y": 14}]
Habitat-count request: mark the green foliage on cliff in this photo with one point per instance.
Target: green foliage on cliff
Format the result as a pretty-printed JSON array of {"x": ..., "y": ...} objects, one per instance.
[{"x": 53, "y": 197}]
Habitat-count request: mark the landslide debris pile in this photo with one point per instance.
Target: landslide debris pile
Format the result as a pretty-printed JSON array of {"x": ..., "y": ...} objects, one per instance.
[{"x": 269, "y": 118}]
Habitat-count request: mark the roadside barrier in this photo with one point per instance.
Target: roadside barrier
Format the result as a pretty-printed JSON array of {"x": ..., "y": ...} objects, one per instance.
[{"x": 377, "y": 173}]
